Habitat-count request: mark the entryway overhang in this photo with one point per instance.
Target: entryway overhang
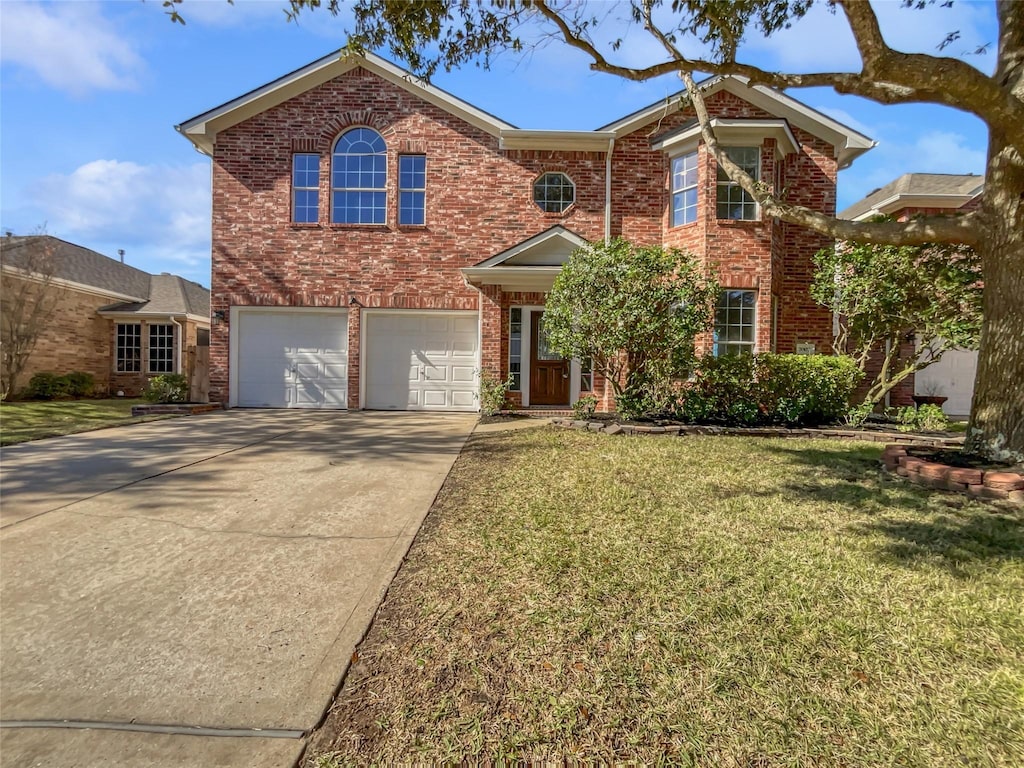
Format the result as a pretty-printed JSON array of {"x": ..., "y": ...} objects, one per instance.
[{"x": 529, "y": 266}]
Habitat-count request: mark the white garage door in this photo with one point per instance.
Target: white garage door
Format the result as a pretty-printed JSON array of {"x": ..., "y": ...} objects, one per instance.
[
  {"x": 420, "y": 360},
  {"x": 289, "y": 359},
  {"x": 953, "y": 377}
]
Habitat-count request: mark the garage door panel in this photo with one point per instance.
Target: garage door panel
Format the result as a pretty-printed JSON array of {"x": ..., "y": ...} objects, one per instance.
[
  {"x": 290, "y": 359},
  {"x": 412, "y": 360}
]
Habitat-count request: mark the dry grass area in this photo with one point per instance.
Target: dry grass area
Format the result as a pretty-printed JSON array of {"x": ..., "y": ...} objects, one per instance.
[{"x": 699, "y": 601}]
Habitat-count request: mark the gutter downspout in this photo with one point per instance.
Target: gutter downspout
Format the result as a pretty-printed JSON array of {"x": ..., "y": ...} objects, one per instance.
[{"x": 608, "y": 190}]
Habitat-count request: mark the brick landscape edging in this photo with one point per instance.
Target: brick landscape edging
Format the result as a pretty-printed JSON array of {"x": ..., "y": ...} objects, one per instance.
[
  {"x": 999, "y": 485},
  {"x": 181, "y": 408},
  {"x": 682, "y": 430}
]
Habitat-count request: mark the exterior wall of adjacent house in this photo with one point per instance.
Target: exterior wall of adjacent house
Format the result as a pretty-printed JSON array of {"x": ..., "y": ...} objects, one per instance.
[
  {"x": 479, "y": 203},
  {"x": 73, "y": 338},
  {"x": 132, "y": 384},
  {"x": 903, "y": 393}
]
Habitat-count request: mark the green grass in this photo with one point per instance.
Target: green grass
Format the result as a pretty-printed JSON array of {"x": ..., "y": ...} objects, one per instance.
[
  {"x": 699, "y": 601},
  {"x": 32, "y": 420}
]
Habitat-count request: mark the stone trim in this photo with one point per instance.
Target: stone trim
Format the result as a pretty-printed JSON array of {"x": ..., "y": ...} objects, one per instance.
[
  {"x": 187, "y": 409},
  {"x": 996, "y": 485}
]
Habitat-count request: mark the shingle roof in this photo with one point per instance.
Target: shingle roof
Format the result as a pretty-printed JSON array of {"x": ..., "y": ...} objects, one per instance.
[
  {"x": 163, "y": 294},
  {"x": 918, "y": 185}
]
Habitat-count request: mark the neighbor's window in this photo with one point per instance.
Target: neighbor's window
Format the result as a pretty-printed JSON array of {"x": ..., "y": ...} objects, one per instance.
[
  {"x": 734, "y": 323},
  {"x": 586, "y": 375},
  {"x": 412, "y": 189},
  {"x": 733, "y": 200},
  {"x": 684, "y": 189},
  {"x": 554, "y": 192},
  {"x": 129, "y": 348},
  {"x": 161, "y": 349},
  {"x": 515, "y": 348},
  {"x": 359, "y": 178},
  {"x": 305, "y": 188}
]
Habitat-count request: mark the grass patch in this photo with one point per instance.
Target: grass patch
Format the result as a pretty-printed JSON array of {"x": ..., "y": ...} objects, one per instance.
[
  {"x": 700, "y": 601},
  {"x": 33, "y": 420}
]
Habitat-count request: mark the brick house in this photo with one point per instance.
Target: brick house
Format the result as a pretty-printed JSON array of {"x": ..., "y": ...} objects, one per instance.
[
  {"x": 377, "y": 241},
  {"x": 928, "y": 194},
  {"x": 111, "y": 320}
]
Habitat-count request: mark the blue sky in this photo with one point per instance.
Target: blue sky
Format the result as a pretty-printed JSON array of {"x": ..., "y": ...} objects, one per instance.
[{"x": 90, "y": 94}]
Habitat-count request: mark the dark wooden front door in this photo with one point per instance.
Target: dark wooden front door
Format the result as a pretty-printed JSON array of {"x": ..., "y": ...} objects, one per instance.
[{"x": 549, "y": 373}]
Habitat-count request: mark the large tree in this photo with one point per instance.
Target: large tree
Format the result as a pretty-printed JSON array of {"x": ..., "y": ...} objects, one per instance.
[{"x": 706, "y": 36}]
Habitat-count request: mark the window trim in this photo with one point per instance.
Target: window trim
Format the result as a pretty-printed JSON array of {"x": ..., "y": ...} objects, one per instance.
[
  {"x": 335, "y": 154},
  {"x": 518, "y": 359},
  {"x": 752, "y": 344},
  {"x": 170, "y": 361},
  {"x": 540, "y": 205},
  {"x": 421, "y": 190},
  {"x": 729, "y": 183},
  {"x": 296, "y": 189},
  {"x": 120, "y": 356},
  {"x": 684, "y": 189}
]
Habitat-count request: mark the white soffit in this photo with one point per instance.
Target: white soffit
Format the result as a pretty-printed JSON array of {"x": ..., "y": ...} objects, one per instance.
[
  {"x": 202, "y": 129},
  {"x": 568, "y": 141},
  {"x": 733, "y": 132},
  {"x": 901, "y": 200}
]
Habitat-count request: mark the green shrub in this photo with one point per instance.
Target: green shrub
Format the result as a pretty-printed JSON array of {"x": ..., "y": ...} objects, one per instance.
[
  {"x": 46, "y": 386},
  {"x": 80, "y": 384},
  {"x": 585, "y": 407},
  {"x": 167, "y": 388},
  {"x": 805, "y": 389},
  {"x": 746, "y": 390},
  {"x": 493, "y": 393},
  {"x": 925, "y": 418}
]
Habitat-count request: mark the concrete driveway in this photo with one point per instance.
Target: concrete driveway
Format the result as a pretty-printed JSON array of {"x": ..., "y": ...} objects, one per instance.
[{"x": 197, "y": 586}]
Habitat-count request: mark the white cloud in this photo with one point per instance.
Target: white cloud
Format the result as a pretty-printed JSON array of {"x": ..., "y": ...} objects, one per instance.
[
  {"x": 70, "y": 46},
  {"x": 945, "y": 152},
  {"x": 157, "y": 208}
]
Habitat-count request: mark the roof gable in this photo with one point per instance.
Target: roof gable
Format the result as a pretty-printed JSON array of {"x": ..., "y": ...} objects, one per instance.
[
  {"x": 202, "y": 129},
  {"x": 849, "y": 143},
  {"x": 550, "y": 248},
  {"x": 917, "y": 190}
]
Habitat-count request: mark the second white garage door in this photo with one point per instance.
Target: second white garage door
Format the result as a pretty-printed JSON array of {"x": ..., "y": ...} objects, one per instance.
[{"x": 420, "y": 360}]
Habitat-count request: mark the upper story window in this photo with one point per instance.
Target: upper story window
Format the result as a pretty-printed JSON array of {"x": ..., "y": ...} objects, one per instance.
[
  {"x": 412, "y": 189},
  {"x": 554, "y": 192},
  {"x": 733, "y": 200},
  {"x": 684, "y": 189},
  {"x": 129, "y": 347},
  {"x": 734, "y": 323},
  {"x": 359, "y": 178},
  {"x": 305, "y": 188},
  {"x": 161, "y": 348}
]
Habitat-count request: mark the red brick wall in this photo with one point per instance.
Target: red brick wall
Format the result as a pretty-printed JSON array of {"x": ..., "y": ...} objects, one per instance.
[{"x": 479, "y": 202}]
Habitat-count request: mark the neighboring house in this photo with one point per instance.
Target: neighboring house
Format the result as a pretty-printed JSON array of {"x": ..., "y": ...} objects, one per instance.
[
  {"x": 116, "y": 322},
  {"x": 916, "y": 194},
  {"x": 377, "y": 241}
]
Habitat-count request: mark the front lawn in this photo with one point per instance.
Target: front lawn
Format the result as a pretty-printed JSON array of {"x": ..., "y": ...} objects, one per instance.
[
  {"x": 32, "y": 420},
  {"x": 700, "y": 601}
]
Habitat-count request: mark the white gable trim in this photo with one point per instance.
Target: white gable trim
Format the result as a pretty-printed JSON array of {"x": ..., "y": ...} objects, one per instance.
[
  {"x": 568, "y": 141},
  {"x": 733, "y": 132},
  {"x": 557, "y": 231},
  {"x": 849, "y": 144},
  {"x": 202, "y": 129}
]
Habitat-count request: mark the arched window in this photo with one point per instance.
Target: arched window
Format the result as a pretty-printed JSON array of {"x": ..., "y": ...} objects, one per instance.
[{"x": 359, "y": 178}]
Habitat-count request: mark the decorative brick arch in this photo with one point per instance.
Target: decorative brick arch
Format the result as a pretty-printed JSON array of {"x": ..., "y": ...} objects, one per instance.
[{"x": 354, "y": 118}]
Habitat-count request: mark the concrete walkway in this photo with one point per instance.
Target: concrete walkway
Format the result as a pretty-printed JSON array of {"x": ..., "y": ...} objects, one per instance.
[{"x": 207, "y": 576}]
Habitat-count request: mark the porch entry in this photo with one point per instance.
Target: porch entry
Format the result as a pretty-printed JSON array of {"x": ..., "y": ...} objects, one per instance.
[{"x": 549, "y": 373}]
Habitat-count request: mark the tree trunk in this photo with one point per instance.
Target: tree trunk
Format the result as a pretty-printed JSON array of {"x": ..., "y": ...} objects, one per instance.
[{"x": 997, "y": 413}]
